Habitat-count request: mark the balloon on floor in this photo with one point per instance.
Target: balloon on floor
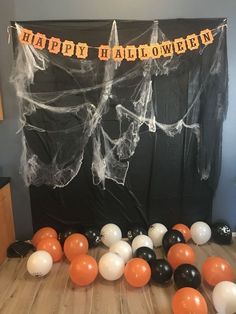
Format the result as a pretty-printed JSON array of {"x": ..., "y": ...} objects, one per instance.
[
  {"x": 43, "y": 233},
  {"x": 221, "y": 233},
  {"x": 170, "y": 238},
  {"x": 39, "y": 264},
  {"x": 189, "y": 300},
  {"x": 161, "y": 271},
  {"x": 75, "y": 245},
  {"x": 187, "y": 275},
  {"x": 216, "y": 269},
  {"x": 224, "y": 297},
  {"x": 200, "y": 232},
  {"x": 140, "y": 241},
  {"x": 135, "y": 231},
  {"x": 184, "y": 230},
  {"x": 180, "y": 253},
  {"x": 111, "y": 266},
  {"x": 156, "y": 232},
  {"x": 93, "y": 236},
  {"x": 123, "y": 249},
  {"x": 52, "y": 246},
  {"x": 145, "y": 253},
  {"x": 110, "y": 233},
  {"x": 137, "y": 272},
  {"x": 83, "y": 270}
]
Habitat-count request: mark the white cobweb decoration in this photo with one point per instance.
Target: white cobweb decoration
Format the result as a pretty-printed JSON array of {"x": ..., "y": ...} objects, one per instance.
[{"x": 76, "y": 117}]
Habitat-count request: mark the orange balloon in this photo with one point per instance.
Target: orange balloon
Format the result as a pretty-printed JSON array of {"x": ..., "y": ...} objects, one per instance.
[
  {"x": 184, "y": 230},
  {"x": 188, "y": 301},
  {"x": 43, "y": 233},
  {"x": 216, "y": 269},
  {"x": 83, "y": 270},
  {"x": 137, "y": 272},
  {"x": 52, "y": 246},
  {"x": 75, "y": 245},
  {"x": 180, "y": 253}
]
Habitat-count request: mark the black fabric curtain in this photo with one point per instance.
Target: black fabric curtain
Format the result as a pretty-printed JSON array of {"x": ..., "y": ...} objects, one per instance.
[{"x": 170, "y": 179}]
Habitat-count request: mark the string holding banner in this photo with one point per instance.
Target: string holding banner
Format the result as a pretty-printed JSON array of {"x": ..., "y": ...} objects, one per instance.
[{"x": 118, "y": 53}]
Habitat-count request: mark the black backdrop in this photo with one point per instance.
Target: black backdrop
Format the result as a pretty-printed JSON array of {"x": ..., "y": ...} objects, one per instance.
[{"x": 164, "y": 182}]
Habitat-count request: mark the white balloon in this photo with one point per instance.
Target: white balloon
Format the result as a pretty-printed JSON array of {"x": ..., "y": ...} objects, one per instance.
[
  {"x": 123, "y": 249},
  {"x": 224, "y": 297},
  {"x": 110, "y": 234},
  {"x": 111, "y": 266},
  {"x": 200, "y": 232},
  {"x": 39, "y": 263},
  {"x": 156, "y": 232},
  {"x": 141, "y": 240}
]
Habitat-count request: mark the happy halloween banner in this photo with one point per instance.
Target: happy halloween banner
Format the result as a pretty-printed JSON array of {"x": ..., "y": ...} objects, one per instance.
[{"x": 118, "y": 53}]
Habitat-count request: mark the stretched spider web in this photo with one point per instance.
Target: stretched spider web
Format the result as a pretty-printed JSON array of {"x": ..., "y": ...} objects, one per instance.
[{"x": 65, "y": 118}]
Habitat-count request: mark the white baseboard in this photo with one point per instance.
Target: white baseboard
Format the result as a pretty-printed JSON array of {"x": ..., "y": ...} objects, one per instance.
[{"x": 234, "y": 234}]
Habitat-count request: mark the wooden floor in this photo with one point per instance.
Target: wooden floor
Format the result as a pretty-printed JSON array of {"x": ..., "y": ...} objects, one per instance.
[{"x": 56, "y": 294}]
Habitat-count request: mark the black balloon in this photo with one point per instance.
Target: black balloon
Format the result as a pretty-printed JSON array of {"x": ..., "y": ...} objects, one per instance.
[
  {"x": 221, "y": 233},
  {"x": 135, "y": 231},
  {"x": 170, "y": 238},
  {"x": 145, "y": 253},
  {"x": 161, "y": 270},
  {"x": 63, "y": 235},
  {"x": 187, "y": 275},
  {"x": 93, "y": 237}
]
